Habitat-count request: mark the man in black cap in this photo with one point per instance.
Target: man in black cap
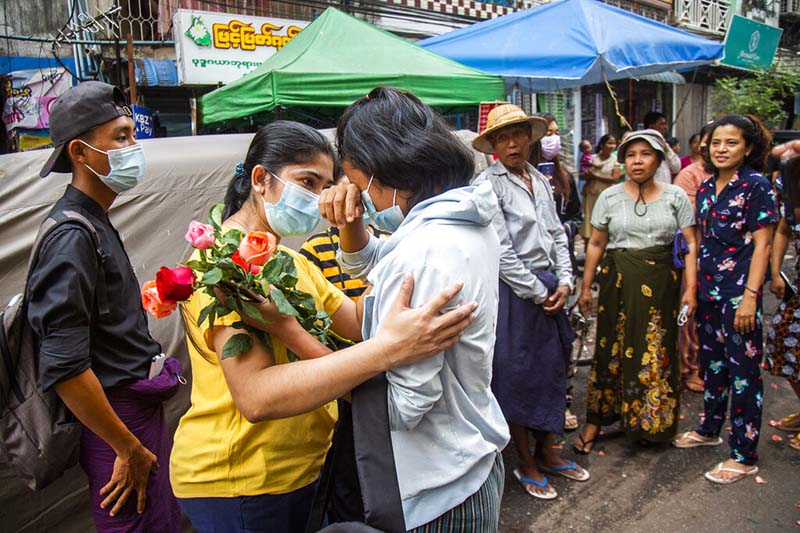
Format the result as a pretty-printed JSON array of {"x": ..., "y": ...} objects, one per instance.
[{"x": 85, "y": 307}]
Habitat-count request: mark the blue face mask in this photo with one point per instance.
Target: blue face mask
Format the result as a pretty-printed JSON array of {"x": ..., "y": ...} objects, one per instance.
[
  {"x": 388, "y": 219},
  {"x": 127, "y": 167},
  {"x": 296, "y": 213}
]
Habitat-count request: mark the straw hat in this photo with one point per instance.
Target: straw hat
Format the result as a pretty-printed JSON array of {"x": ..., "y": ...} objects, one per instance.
[
  {"x": 652, "y": 137},
  {"x": 506, "y": 115}
]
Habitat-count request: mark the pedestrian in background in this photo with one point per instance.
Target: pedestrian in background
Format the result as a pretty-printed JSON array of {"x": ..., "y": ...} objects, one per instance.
[
  {"x": 695, "y": 155},
  {"x": 672, "y": 163},
  {"x": 783, "y": 336},
  {"x": 604, "y": 171},
  {"x": 534, "y": 337},
  {"x": 736, "y": 214},
  {"x": 635, "y": 375},
  {"x": 689, "y": 179}
]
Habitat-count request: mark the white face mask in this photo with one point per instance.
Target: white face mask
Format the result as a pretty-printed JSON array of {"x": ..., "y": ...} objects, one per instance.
[
  {"x": 551, "y": 146},
  {"x": 128, "y": 167}
]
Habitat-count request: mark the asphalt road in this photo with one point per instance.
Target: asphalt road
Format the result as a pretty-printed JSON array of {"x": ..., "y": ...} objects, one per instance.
[{"x": 662, "y": 488}]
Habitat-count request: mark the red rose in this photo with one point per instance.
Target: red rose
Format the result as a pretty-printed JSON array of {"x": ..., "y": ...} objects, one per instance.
[
  {"x": 237, "y": 258},
  {"x": 175, "y": 284},
  {"x": 257, "y": 247}
]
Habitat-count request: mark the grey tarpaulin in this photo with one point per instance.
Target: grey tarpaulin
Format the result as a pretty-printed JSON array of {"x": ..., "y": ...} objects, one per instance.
[{"x": 185, "y": 176}]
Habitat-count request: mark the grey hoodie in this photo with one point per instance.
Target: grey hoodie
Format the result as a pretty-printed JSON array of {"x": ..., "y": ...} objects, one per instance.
[{"x": 446, "y": 425}]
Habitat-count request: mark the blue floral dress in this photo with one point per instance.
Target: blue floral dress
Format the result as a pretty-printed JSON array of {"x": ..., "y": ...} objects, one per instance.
[{"x": 730, "y": 361}]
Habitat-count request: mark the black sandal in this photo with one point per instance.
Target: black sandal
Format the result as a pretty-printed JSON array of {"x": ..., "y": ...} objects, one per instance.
[{"x": 584, "y": 443}]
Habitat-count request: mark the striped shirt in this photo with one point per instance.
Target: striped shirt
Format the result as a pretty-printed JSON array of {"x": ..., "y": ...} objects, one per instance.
[{"x": 321, "y": 249}]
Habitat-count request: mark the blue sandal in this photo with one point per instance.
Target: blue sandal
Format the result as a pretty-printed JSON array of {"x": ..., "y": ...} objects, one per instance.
[
  {"x": 569, "y": 470},
  {"x": 541, "y": 484}
]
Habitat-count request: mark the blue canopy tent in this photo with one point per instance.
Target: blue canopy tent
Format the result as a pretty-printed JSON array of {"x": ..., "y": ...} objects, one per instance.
[{"x": 569, "y": 43}]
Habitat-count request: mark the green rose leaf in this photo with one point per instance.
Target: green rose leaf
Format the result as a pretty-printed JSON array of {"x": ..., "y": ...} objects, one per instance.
[
  {"x": 205, "y": 313},
  {"x": 282, "y": 303},
  {"x": 233, "y": 236},
  {"x": 237, "y": 345},
  {"x": 252, "y": 311},
  {"x": 215, "y": 216},
  {"x": 212, "y": 277}
]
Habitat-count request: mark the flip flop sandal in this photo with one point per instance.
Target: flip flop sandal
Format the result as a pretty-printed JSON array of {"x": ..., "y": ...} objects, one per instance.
[
  {"x": 695, "y": 441},
  {"x": 570, "y": 421},
  {"x": 570, "y": 470},
  {"x": 584, "y": 443},
  {"x": 721, "y": 481},
  {"x": 794, "y": 443},
  {"x": 541, "y": 484},
  {"x": 789, "y": 423}
]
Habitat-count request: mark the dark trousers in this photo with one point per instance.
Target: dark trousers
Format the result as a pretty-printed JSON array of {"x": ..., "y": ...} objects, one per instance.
[
  {"x": 730, "y": 365},
  {"x": 267, "y": 513}
]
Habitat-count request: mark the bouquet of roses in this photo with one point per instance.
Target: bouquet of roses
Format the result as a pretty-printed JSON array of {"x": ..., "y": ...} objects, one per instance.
[{"x": 238, "y": 271}]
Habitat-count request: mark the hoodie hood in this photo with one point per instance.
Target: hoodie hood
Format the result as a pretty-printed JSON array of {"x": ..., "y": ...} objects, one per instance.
[{"x": 472, "y": 205}]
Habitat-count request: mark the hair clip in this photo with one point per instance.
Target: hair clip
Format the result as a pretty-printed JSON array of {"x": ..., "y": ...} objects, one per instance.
[
  {"x": 240, "y": 170},
  {"x": 366, "y": 98}
]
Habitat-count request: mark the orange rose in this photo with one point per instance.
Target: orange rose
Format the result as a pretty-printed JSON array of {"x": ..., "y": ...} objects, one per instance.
[
  {"x": 152, "y": 302},
  {"x": 258, "y": 247}
]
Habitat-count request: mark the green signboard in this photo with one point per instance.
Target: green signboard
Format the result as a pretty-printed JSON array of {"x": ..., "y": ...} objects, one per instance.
[{"x": 750, "y": 45}]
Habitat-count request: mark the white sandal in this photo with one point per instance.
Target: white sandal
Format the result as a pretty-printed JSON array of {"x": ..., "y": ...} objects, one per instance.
[
  {"x": 696, "y": 440},
  {"x": 722, "y": 481}
]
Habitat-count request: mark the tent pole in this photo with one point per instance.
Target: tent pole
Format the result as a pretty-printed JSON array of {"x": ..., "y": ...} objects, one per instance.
[
  {"x": 577, "y": 132},
  {"x": 630, "y": 102}
]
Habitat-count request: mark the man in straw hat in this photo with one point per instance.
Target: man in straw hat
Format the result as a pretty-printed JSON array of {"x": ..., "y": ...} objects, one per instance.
[{"x": 534, "y": 338}]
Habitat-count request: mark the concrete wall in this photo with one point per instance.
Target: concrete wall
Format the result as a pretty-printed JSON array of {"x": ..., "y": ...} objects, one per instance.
[
  {"x": 693, "y": 103},
  {"x": 38, "y": 18}
]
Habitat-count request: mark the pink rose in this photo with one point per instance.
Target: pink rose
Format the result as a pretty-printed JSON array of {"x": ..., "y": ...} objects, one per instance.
[
  {"x": 200, "y": 235},
  {"x": 152, "y": 302},
  {"x": 257, "y": 247}
]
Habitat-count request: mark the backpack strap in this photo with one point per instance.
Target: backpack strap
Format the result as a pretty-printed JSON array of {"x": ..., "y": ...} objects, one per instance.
[{"x": 49, "y": 225}]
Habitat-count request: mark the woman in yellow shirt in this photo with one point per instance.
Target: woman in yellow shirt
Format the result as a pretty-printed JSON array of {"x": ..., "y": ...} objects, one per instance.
[{"x": 248, "y": 451}]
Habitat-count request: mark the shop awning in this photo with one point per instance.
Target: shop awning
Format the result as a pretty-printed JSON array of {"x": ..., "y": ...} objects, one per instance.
[
  {"x": 569, "y": 43},
  {"x": 337, "y": 59},
  {"x": 665, "y": 77}
]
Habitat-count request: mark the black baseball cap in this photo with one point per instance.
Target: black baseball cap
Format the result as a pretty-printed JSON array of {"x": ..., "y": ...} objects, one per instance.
[{"x": 78, "y": 110}]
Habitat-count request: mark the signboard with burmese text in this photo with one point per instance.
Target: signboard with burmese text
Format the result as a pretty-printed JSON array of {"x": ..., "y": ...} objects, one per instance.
[{"x": 214, "y": 48}]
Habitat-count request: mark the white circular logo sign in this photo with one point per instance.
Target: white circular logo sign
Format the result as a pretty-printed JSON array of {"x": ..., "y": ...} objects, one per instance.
[{"x": 754, "y": 39}]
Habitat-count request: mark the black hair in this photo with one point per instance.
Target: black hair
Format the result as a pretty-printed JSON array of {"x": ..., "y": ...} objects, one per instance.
[
  {"x": 274, "y": 146},
  {"x": 391, "y": 135},
  {"x": 756, "y": 136},
  {"x": 651, "y": 117},
  {"x": 694, "y": 136},
  {"x": 604, "y": 139},
  {"x": 672, "y": 141}
]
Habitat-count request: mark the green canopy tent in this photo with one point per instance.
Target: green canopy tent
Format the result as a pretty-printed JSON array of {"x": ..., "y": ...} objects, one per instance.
[{"x": 337, "y": 59}]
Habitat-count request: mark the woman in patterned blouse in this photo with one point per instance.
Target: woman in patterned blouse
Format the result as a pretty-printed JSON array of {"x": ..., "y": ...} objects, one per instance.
[{"x": 736, "y": 214}]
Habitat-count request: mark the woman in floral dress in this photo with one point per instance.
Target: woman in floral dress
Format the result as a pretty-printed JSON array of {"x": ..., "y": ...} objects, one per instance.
[
  {"x": 736, "y": 214},
  {"x": 783, "y": 335},
  {"x": 635, "y": 375}
]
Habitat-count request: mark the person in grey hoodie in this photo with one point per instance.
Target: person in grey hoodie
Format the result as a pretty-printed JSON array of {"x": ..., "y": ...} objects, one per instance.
[{"x": 428, "y": 436}]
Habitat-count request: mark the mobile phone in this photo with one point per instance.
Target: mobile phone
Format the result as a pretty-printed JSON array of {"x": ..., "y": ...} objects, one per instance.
[
  {"x": 791, "y": 288},
  {"x": 157, "y": 365}
]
